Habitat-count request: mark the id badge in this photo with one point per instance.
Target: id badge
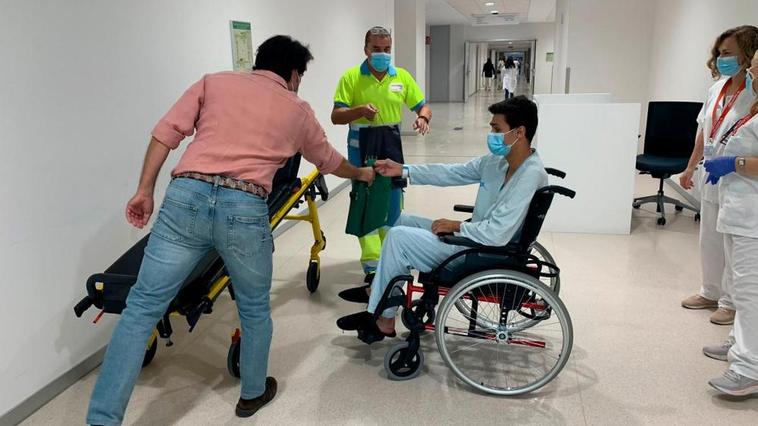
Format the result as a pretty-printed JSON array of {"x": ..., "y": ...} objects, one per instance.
[{"x": 709, "y": 149}]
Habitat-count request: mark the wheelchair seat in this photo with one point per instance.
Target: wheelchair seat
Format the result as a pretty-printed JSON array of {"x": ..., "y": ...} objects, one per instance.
[{"x": 515, "y": 255}]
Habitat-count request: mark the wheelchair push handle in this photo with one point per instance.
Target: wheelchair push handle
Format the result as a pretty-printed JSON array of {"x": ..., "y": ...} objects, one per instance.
[
  {"x": 82, "y": 306},
  {"x": 555, "y": 189},
  {"x": 555, "y": 172}
]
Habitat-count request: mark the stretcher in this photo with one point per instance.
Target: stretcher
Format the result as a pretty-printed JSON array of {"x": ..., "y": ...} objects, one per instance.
[{"x": 107, "y": 291}]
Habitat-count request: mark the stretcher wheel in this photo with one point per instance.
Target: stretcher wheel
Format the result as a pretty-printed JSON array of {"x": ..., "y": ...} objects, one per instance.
[
  {"x": 661, "y": 221},
  {"x": 678, "y": 208},
  {"x": 150, "y": 353},
  {"x": 233, "y": 359},
  {"x": 697, "y": 217},
  {"x": 313, "y": 276},
  {"x": 397, "y": 367}
]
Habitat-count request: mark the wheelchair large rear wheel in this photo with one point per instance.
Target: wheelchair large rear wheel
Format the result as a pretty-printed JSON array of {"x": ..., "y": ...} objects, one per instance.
[
  {"x": 485, "y": 339},
  {"x": 541, "y": 253}
]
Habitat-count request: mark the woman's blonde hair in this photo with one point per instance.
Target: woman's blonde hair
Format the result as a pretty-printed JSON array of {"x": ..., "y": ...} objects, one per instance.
[{"x": 746, "y": 37}]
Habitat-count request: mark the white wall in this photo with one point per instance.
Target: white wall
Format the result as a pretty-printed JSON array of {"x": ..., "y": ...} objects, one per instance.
[
  {"x": 427, "y": 62},
  {"x": 544, "y": 33},
  {"x": 684, "y": 31},
  {"x": 409, "y": 46},
  {"x": 560, "y": 45},
  {"x": 82, "y": 86},
  {"x": 609, "y": 47},
  {"x": 457, "y": 58}
]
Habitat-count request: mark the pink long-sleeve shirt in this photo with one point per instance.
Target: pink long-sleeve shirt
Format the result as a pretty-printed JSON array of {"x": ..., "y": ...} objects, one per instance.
[{"x": 246, "y": 126}]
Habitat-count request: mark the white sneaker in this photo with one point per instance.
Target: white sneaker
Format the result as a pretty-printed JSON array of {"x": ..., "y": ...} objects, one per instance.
[
  {"x": 735, "y": 384},
  {"x": 718, "y": 351}
]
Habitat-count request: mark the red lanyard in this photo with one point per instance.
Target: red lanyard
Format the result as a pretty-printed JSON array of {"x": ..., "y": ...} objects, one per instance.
[
  {"x": 718, "y": 122},
  {"x": 741, "y": 122}
]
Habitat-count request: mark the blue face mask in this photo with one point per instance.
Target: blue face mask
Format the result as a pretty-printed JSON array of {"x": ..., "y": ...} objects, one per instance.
[
  {"x": 496, "y": 143},
  {"x": 381, "y": 61},
  {"x": 728, "y": 66}
]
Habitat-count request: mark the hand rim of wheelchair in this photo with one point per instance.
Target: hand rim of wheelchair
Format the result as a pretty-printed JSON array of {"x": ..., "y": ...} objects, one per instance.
[
  {"x": 530, "y": 283},
  {"x": 547, "y": 258},
  {"x": 544, "y": 260},
  {"x": 410, "y": 316}
]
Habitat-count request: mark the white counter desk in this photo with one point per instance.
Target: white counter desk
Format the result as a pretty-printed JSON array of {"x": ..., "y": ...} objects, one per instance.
[{"x": 594, "y": 141}]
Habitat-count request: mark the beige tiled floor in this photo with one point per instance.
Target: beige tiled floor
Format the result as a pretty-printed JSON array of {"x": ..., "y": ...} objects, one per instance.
[{"x": 636, "y": 356}]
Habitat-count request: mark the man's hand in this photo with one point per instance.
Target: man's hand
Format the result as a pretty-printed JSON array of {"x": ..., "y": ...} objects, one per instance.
[
  {"x": 685, "y": 180},
  {"x": 421, "y": 125},
  {"x": 139, "y": 209},
  {"x": 388, "y": 168},
  {"x": 366, "y": 174},
  {"x": 369, "y": 111},
  {"x": 445, "y": 226}
]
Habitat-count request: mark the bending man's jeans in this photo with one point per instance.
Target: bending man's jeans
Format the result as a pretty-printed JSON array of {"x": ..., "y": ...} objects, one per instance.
[
  {"x": 195, "y": 218},
  {"x": 410, "y": 244}
]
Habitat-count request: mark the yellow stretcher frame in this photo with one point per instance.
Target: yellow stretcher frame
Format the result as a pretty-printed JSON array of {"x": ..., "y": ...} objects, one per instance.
[{"x": 314, "y": 267}]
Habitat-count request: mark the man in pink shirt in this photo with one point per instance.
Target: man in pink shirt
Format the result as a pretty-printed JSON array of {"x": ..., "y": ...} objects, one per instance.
[{"x": 246, "y": 126}]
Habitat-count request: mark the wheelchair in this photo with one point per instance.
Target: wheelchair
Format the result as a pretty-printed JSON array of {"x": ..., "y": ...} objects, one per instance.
[
  {"x": 500, "y": 326},
  {"x": 108, "y": 291}
]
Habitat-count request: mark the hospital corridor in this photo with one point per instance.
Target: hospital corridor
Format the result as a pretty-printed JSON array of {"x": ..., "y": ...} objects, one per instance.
[{"x": 621, "y": 366}]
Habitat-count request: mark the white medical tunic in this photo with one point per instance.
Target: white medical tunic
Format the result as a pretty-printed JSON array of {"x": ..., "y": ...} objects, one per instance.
[
  {"x": 738, "y": 194},
  {"x": 713, "y": 146}
]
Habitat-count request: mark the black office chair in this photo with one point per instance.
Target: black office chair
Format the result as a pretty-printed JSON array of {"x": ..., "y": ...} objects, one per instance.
[{"x": 669, "y": 139}]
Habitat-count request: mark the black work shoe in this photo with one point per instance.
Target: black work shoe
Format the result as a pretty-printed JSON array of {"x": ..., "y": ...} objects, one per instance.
[
  {"x": 356, "y": 294},
  {"x": 248, "y": 407},
  {"x": 365, "y": 324},
  {"x": 369, "y": 278},
  {"x": 354, "y": 321}
]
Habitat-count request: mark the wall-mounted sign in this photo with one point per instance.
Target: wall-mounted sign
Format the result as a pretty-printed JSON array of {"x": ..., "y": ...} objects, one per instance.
[{"x": 242, "y": 45}]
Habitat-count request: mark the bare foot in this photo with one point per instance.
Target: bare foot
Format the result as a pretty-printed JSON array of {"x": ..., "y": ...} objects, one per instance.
[{"x": 386, "y": 325}]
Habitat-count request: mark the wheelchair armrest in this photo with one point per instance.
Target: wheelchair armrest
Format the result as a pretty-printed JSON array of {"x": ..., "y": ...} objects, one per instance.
[
  {"x": 459, "y": 241},
  {"x": 463, "y": 208}
]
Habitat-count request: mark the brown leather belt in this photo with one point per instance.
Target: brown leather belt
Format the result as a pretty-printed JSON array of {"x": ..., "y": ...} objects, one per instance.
[{"x": 227, "y": 182}]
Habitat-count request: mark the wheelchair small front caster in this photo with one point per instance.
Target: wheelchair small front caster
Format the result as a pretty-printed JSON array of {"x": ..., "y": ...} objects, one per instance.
[
  {"x": 398, "y": 367},
  {"x": 233, "y": 357},
  {"x": 661, "y": 221},
  {"x": 313, "y": 276}
]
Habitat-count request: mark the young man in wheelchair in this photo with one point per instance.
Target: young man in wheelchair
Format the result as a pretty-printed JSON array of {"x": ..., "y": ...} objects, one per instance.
[{"x": 508, "y": 178}]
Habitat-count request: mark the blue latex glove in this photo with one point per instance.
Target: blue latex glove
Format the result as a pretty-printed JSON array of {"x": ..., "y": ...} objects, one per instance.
[{"x": 718, "y": 167}]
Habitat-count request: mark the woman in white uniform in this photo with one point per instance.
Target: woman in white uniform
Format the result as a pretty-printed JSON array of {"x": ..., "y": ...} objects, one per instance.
[
  {"x": 727, "y": 102},
  {"x": 737, "y": 170},
  {"x": 510, "y": 78}
]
